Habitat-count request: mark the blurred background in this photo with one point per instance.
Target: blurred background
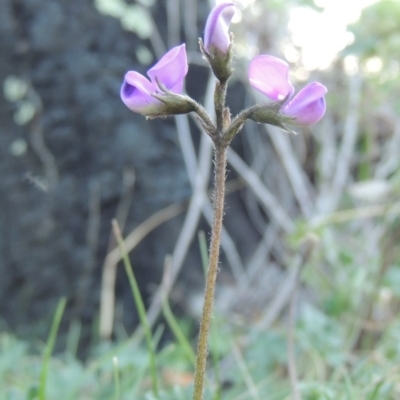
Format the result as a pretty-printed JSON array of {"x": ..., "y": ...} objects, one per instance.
[{"x": 73, "y": 157}]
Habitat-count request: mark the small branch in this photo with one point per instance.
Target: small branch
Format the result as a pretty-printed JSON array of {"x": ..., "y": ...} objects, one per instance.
[
  {"x": 288, "y": 285},
  {"x": 190, "y": 22},
  {"x": 237, "y": 124},
  {"x": 347, "y": 147},
  {"x": 173, "y": 22},
  {"x": 38, "y": 142},
  {"x": 298, "y": 179},
  {"x": 109, "y": 270},
  {"x": 276, "y": 212},
  {"x": 253, "y": 391},
  {"x": 205, "y": 120}
]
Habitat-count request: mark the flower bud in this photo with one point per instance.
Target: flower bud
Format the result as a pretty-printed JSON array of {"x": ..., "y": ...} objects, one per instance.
[
  {"x": 217, "y": 47},
  {"x": 216, "y": 35}
]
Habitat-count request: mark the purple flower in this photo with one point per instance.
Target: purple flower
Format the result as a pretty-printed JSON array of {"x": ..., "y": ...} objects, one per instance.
[
  {"x": 137, "y": 91},
  {"x": 270, "y": 75},
  {"x": 216, "y": 34}
]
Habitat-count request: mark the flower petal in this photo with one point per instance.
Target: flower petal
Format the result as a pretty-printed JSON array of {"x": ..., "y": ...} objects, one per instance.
[
  {"x": 308, "y": 106},
  {"x": 270, "y": 75},
  {"x": 216, "y": 33},
  {"x": 136, "y": 94},
  {"x": 171, "y": 69}
]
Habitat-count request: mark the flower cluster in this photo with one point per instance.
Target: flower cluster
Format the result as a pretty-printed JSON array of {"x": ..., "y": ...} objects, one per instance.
[{"x": 162, "y": 94}]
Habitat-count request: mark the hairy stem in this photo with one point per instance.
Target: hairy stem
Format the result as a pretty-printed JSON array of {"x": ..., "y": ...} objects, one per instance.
[
  {"x": 219, "y": 102},
  {"x": 219, "y": 195}
]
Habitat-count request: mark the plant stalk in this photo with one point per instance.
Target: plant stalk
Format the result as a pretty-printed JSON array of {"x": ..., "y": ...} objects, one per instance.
[{"x": 218, "y": 205}]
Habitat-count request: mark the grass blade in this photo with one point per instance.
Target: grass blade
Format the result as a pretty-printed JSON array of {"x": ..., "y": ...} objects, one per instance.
[
  {"x": 50, "y": 347},
  {"x": 139, "y": 305},
  {"x": 116, "y": 379},
  {"x": 177, "y": 331}
]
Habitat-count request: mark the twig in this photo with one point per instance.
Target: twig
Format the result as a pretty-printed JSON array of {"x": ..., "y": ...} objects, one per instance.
[
  {"x": 144, "y": 229},
  {"x": 289, "y": 283},
  {"x": 355, "y": 213},
  {"x": 173, "y": 22},
  {"x": 109, "y": 271},
  {"x": 348, "y": 143},
  {"x": 254, "y": 393},
  {"x": 190, "y": 22},
  {"x": 389, "y": 161},
  {"x": 276, "y": 212},
  {"x": 297, "y": 178},
  {"x": 38, "y": 143}
]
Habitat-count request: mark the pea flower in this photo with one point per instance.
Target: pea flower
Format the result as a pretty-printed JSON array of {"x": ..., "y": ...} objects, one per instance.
[
  {"x": 155, "y": 97},
  {"x": 270, "y": 76},
  {"x": 216, "y": 34}
]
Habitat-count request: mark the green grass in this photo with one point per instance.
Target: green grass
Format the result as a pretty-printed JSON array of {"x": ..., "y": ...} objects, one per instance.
[{"x": 340, "y": 353}]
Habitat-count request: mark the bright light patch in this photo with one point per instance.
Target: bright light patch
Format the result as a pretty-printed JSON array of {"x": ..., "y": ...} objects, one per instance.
[
  {"x": 351, "y": 65},
  {"x": 373, "y": 65},
  {"x": 243, "y": 3},
  {"x": 291, "y": 53},
  {"x": 237, "y": 17},
  {"x": 301, "y": 75},
  {"x": 321, "y": 35}
]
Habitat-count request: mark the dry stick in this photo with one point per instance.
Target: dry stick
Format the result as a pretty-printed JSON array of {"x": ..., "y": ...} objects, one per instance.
[
  {"x": 356, "y": 213},
  {"x": 173, "y": 22},
  {"x": 219, "y": 195},
  {"x": 305, "y": 253},
  {"x": 343, "y": 162},
  {"x": 190, "y": 22},
  {"x": 277, "y": 213},
  {"x": 284, "y": 292},
  {"x": 156, "y": 40},
  {"x": 38, "y": 143},
  {"x": 109, "y": 271},
  {"x": 389, "y": 161},
  {"x": 297, "y": 178},
  {"x": 254, "y": 393},
  {"x": 326, "y": 159},
  {"x": 144, "y": 229},
  {"x": 131, "y": 241},
  {"x": 286, "y": 288}
]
